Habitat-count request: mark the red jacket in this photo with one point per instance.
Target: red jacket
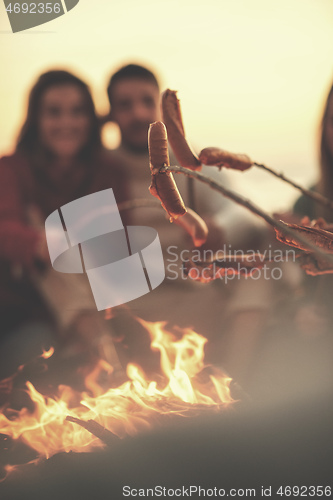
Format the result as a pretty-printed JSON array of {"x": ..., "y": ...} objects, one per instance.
[{"x": 21, "y": 186}]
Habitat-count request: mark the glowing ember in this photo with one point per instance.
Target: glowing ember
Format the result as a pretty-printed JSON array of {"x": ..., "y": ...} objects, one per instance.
[
  {"x": 138, "y": 403},
  {"x": 47, "y": 354}
]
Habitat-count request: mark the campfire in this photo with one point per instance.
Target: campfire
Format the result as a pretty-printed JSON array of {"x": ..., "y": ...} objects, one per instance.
[
  {"x": 81, "y": 422},
  {"x": 103, "y": 413}
]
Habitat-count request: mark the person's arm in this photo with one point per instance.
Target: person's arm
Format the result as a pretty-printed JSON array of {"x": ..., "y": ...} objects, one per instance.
[{"x": 19, "y": 243}]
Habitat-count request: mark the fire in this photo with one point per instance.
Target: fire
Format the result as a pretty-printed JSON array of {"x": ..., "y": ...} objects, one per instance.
[
  {"x": 137, "y": 404},
  {"x": 47, "y": 354}
]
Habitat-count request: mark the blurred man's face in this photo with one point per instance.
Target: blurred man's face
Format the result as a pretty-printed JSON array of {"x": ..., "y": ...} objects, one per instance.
[{"x": 134, "y": 105}]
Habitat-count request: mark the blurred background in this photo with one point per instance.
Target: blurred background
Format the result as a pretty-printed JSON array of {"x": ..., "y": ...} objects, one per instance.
[{"x": 252, "y": 75}]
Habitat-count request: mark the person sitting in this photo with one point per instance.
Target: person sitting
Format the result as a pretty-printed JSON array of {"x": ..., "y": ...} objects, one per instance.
[
  {"x": 315, "y": 316},
  {"x": 307, "y": 206},
  {"x": 134, "y": 97},
  {"x": 58, "y": 158}
]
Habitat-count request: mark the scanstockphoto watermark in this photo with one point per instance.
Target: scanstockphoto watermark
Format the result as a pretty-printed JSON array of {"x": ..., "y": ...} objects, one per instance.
[
  {"x": 214, "y": 492},
  {"x": 188, "y": 491},
  {"x": 226, "y": 264},
  {"x": 87, "y": 236}
]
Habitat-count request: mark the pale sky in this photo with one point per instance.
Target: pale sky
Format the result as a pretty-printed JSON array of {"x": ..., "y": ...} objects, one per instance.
[{"x": 252, "y": 75}]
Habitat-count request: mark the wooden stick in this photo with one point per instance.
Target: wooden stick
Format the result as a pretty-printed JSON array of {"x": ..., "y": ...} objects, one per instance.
[
  {"x": 95, "y": 429},
  {"x": 220, "y": 158},
  {"x": 139, "y": 203},
  {"x": 311, "y": 194},
  {"x": 240, "y": 200}
]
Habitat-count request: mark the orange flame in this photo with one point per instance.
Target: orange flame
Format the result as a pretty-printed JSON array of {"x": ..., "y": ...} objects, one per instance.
[
  {"x": 47, "y": 354},
  {"x": 137, "y": 404}
]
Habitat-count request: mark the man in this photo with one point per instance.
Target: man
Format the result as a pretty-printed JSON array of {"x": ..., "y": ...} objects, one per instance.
[{"x": 134, "y": 97}]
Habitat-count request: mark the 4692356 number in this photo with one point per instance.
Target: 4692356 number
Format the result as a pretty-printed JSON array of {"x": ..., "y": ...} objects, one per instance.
[
  {"x": 34, "y": 8},
  {"x": 304, "y": 491}
]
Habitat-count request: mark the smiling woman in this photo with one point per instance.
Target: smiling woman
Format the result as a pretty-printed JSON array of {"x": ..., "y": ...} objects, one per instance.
[
  {"x": 61, "y": 123},
  {"x": 64, "y": 121},
  {"x": 58, "y": 158}
]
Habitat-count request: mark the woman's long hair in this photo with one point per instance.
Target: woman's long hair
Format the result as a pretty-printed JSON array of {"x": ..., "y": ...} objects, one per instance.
[
  {"x": 325, "y": 185},
  {"x": 28, "y": 141}
]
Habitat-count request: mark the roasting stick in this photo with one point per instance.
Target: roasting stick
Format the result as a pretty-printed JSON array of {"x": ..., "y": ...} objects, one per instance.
[
  {"x": 311, "y": 194},
  {"x": 138, "y": 203},
  {"x": 165, "y": 189},
  {"x": 172, "y": 117},
  {"x": 219, "y": 158},
  {"x": 240, "y": 200}
]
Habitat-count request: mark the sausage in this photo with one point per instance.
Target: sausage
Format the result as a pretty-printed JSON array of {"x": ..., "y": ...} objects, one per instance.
[
  {"x": 195, "y": 226},
  {"x": 220, "y": 158},
  {"x": 173, "y": 121},
  {"x": 163, "y": 185}
]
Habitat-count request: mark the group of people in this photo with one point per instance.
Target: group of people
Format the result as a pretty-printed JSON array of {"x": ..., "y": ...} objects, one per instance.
[{"x": 59, "y": 157}]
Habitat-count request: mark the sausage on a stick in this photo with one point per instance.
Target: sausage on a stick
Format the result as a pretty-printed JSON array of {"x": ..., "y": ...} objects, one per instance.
[
  {"x": 220, "y": 158},
  {"x": 172, "y": 118},
  {"x": 163, "y": 185},
  {"x": 195, "y": 226},
  {"x": 164, "y": 188}
]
